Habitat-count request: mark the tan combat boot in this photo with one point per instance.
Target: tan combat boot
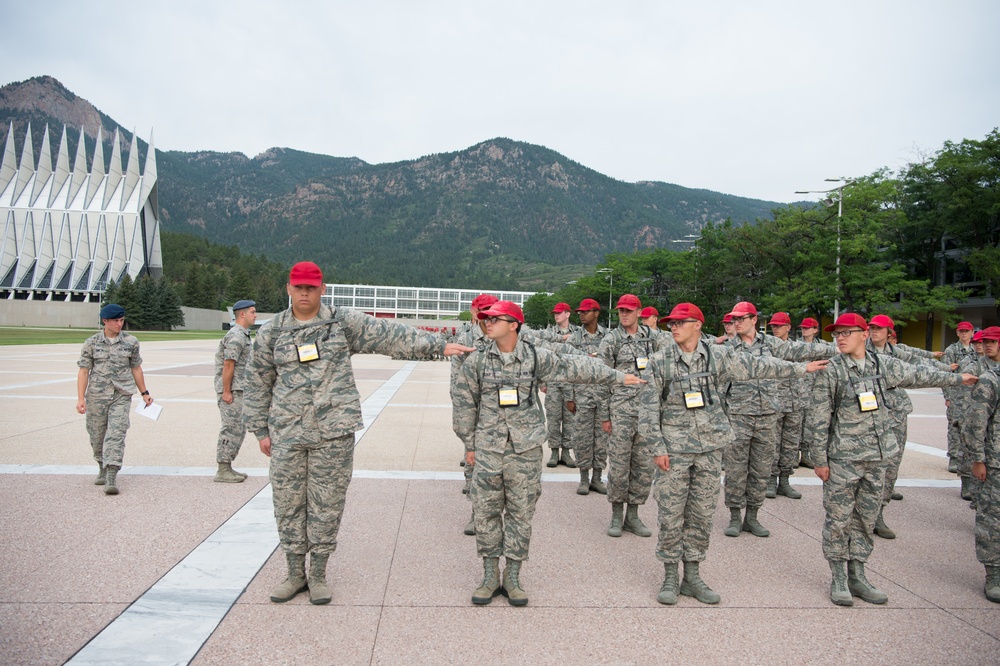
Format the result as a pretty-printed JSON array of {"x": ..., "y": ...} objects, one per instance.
[
  {"x": 470, "y": 527},
  {"x": 772, "y": 488},
  {"x": 859, "y": 585},
  {"x": 102, "y": 476},
  {"x": 992, "y": 587},
  {"x": 512, "y": 586},
  {"x": 735, "y": 522},
  {"x": 615, "y": 529},
  {"x": 596, "y": 484},
  {"x": 839, "y": 593},
  {"x": 694, "y": 586},
  {"x": 110, "y": 480},
  {"x": 633, "y": 524},
  {"x": 752, "y": 525},
  {"x": 881, "y": 529},
  {"x": 785, "y": 488},
  {"x": 567, "y": 458},
  {"x": 295, "y": 582},
  {"x": 227, "y": 474},
  {"x": 668, "y": 591},
  {"x": 490, "y": 587},
  {"x": 319, "y": 591},
  {"x": 584, "y": 487},
  {"x": 554, "y": 458}
]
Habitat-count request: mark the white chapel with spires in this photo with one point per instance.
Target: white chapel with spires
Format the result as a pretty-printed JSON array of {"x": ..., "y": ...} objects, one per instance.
[{"x": 67, "y": 232}]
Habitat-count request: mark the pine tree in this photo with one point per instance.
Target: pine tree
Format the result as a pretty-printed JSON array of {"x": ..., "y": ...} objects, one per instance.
[
  {"x": 240, "y": 286},
  {"x": 149, "y": 307},
  {"x": 169, "y": 305},
  {"x": 128, "y": 299}
]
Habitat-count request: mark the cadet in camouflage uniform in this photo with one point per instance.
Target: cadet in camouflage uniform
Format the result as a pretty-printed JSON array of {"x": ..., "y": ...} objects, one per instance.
[
  {"x": 558, "y": 419},
  {"x": 473, "y": 335},
  {"x": 809, "y": 330},
  {"x": 110, "y": 370},
  {"x": 977, "y": 366},
  {"x": 981, "y": 437},
  {"x": 301, "y": 402},
  {"x": 753, "y": 412},
  {"x": 790, "y": 397},
  {"x": 850, "y": 438},
  {"x": 956, "y": 354},
  {"x": 499, "y": 417},
  {"x": 683, "y": 416},
  {"x": 630, "y": 476},
  {"x": 590, "y": 405},
  {"x": 899, "y": 405},
  {"x": 230, "y": 367}
]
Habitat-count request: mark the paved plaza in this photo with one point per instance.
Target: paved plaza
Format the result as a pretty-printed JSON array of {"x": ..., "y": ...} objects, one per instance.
[{"x": 177, "y": 569}]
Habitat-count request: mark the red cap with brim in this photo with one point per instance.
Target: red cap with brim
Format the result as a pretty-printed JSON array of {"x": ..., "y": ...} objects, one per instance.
[
  {"x": 483, "y": 301},
  {"x": 744, "y": 308},
  {"x": 978, "y": 336},
  {"x": 588, "y": 304},
  {"x": 848, "y": 319},
  {"x": 780, "y": 319},
  {"x": 561, "y": 307},
  {"x": 882, "y": 321},
  {"x": 629, "y": 302},
  {"x": 684, "y": 311},
  {"x": 649, "y": 312},
  {"x": 991, "y": 333},
  {"x": 727, "y": 319},
  {"x": 307, "y": 273},
  {"x": 809, "y": 322},
  {"x": 965, "y": 326},
  {"x": 501, "y": 308}
]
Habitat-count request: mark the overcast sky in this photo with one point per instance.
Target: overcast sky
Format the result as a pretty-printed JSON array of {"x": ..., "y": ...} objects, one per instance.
[{"x": 757, "y": 99}]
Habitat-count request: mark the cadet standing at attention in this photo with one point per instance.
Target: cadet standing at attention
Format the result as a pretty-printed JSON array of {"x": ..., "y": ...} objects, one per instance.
[
  {"x": 981, "y": 437},
  {"x": 683, "y": 416},
  {"x": 558, "y": 419},
  {"x": 590, "y": 405},
  {"x": 110, "y": 370},
  {"x": 790, "y": 396},
  {"x": 302, "y": 404},
  {"x": 850, "y": 439},
  {"x": 956, "y": 353},
  {"x": 230, "y": 367},
  {"x": 499, "y": 417},
  {"x": 630, "y": 475}
]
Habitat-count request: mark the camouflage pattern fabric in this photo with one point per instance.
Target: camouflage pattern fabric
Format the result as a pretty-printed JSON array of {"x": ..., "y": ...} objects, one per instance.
[
  {"x": 852, "y": 500},
  {"x": 975, "y": 366},
  {"x": 686, "y": 497},
  {"x": 311, "y": 411},
  {"x": 110, "y": 385},
  {"x": 508, "y": 441},
  {"x": 471, "y": 336},
  {"x": 593, "y": 406},
  {"x": 786, "y": 457},
  {"x": 235, "y": 346},
  {"x": 956, "y": 353},
  {"x": 981, "y": 438},
  {"x": 233, "y": 430},
  {"x": 558, "y": 419}
]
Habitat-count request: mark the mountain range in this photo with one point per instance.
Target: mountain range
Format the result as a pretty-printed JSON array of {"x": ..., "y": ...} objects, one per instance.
[{"x": 500, "y": 214}]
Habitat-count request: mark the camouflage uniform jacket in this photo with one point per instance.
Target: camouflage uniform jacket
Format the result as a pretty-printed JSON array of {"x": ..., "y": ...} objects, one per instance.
[
  {"x": 589, "y": 345},
  {"x": 110, "y": 364},
  {"x": 663, "y": 414},
  {"x": 278, "y": 385},
  {"x": 896, "y": 398},
  {"x": 619, "y": 350},
  {"x": 956, "y": 353},
  {"x": 757, "y": 397},
  {"x": 234, "y": 347},
  {"x": 472, "y": 336},
  {"x": 922, "y": 353},
  {"x": 981, "y": 427},
  {"x": 836, "y": 428},
  {"x": 477, "y": 417}
]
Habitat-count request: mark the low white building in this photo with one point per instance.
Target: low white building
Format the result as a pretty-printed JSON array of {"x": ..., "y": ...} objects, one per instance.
[{"x": 411, "y": 302}]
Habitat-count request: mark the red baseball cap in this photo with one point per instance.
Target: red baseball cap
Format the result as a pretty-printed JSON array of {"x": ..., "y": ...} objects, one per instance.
[
  {"x": 588, "y": 304},
  {"x": 306, "y": 272},
  {"x": 978, "y": 337},
  {"x": 848, "y": 319},
  {"x": 991, "y": 333},
  {"x": 649, "y": 312},
  {"x": 780, "y": 319},
  {"x": 744, "y": 308},
  {"x": 484, "y": 301},
  {"x": 629, "y": 302},
  {"x": 561, "y": 307},
  {"x": 809, "y": 322},
  {"x": 882, "y": 321},
  {"x": 727, "y": 319},
  {"x": 965, "y": 326},
  {"x": 501, "y": 308},
  {"x": 684, "y": 311}
]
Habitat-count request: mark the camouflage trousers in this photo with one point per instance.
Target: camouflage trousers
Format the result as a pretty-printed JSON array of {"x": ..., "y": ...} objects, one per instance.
[
  {"x": 749, "y": 458},
  {"x": 892, "y": 470},
  {"x": 506, "y": 488},
  {"x": 954, "y": 414},
  {"x": 590, "y": 442},
  {"x": 558, "y": 419},
  {"x": 309, "y": 478},
  {"x": 630, "y": 474},
  {"x": 786, "y": 458},
  {"x": 233, "y": 431},
  {"x": 988, "y": 518},
  {"x": 107, "y": 423},
  {"x": 686, "y": 496},
  {"x": 852, "y": 500}
]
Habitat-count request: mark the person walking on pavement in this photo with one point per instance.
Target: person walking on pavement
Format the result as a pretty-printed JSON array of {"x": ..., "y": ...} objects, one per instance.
[{"x": 230, "y": 368}]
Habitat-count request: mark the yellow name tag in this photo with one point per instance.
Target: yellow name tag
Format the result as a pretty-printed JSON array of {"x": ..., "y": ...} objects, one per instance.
[
  {"x": 641, "y": 362},
  {"x": 307, "y": 352},
  {"x": 867, "y": 401},
  {"x": 508, "y": 397},
  {"x": 694, "y": 399}
]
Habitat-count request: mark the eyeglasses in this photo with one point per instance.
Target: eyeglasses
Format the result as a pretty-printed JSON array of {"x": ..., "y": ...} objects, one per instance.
[
  {"x": 679, "y": 322},
  {"x": 844, "y": 334},
  {"x": 493, "y": 320},
  {"x": 736, "y": 320}
]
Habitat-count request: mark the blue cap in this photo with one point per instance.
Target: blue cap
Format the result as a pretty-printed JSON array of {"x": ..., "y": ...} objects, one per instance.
[
  {"x": 242, "y": 305},
  {"x": 112, "y": 311}
]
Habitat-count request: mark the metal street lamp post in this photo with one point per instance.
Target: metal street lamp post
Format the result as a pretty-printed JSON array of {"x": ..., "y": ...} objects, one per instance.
[
  {"x": 611, "y": 288},
  {"x": 844, "y": 182}
]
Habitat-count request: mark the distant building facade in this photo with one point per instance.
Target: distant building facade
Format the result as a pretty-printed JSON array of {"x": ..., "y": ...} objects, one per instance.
[
  {"x": 68, "y": 232},
  {"x": 411, "y": 302}
]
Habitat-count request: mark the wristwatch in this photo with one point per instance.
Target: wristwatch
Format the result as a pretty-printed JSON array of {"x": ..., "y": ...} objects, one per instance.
[{"x": 144, "y": 393}]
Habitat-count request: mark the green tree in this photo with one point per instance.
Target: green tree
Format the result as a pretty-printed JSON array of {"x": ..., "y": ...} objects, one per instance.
[
  {"x": 128, "y": 298},
  {"x": 169, "y": 304},
  {"x": 240, "y": 286},
  {"x": 149, "y": 306}
]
